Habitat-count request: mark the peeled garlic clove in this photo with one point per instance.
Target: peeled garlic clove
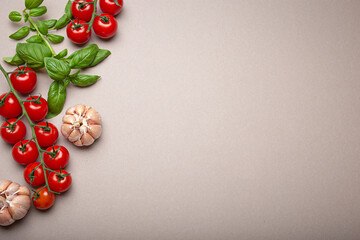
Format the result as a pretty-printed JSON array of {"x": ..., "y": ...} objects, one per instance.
[
  {"x": 81, "y": 125},
  {"x": 14, "y": 202},
  {"x": 94, "y": 131},
  {"x": 3, "y": 185}
]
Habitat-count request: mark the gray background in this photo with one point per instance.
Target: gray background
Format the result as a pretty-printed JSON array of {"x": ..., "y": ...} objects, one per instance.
[{"x": 222, "y": 120}]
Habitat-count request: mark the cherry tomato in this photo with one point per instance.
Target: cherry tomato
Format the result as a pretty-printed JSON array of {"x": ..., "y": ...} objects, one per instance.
[
  {"x": 60, "y": 160},
  {"x": 43, "y": 200},
  {"x": 24, "y": 81},
  {"x": 9, "y": 106},
  {"x": 105, "y": 26},
  {"x": 77, "y": 33},
  {"x": 38, "y": 109},
  {"x": 83, "y": 9},
  {"x": 60, "y": 181},
  {"x": 13, "y": 133},
  {"x": 46, "y": 136},
  {"x": 24, "y": 152},
  {"x": 35, "y": 178},
  {"x": 110, "y": 6}
]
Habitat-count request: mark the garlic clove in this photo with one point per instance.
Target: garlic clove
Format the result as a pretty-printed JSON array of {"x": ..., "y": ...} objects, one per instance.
[
  {"x": 93, "y": 117},
  {"x": 5, "y": 217},
  {"x": 69, "y": 119},
  {"x": 3, "y": 185},
  {"x": 78, "y": 143},
  {"x": 19, "y": 206},
  {"x": 24, "y": 191},
  {"x": 70, "y": 111},
  {"x": 79, "y": 109},
  {"x": 12, "y": 189},
  {"x": 95, "y": 131},
  {"x": 87, "y": 139},
  {"x": 74, "y": 136},
  {"x": 66, "y": 130}
]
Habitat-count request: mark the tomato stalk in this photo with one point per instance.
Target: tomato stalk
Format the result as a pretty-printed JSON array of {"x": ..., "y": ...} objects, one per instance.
[
  {"x": 93, "y": 16},
  {"x": 32, "y": 126}
]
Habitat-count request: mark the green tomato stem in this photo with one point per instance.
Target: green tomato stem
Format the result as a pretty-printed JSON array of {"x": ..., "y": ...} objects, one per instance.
[
  {"x": 93, "y": 16},
  {"x": 32, "y": 125}
]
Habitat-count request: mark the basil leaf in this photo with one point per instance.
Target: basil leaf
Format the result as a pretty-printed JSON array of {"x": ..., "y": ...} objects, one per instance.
[
  {"x": 33, "y": 54},
  {"x": 57, "y": 69},
  {"x": 15, "y": 16},
  {"x": 84, "y": 80},
  {"x": 61, "y": 54},
  {"x": 62, "y": 22},
  {"x": 50, "y": 23},
  {"x": 100, "y": 56},
  {"x": 34, "y": 39},
  {"x": 68, "y": 9},
  {"x": 42, "y": 27},
  {"x": 39, "y": 11},
  {"x": 26, "y": 17},
  {"x": 29, "y": 4},
  {"x": 84, "y": 57},
  {"x": 20, "y": 34},
  {"x": 56, "y": 98},
  {"x": 15, "y": 60},
  {"x": 55, "y": 38}
]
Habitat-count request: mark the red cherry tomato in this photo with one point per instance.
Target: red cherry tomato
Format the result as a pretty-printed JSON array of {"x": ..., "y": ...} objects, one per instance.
[
  {"x": 46, "y": 136},
  {"x": 38, "y": 109},
  {"x": 24, "y": 81},
  {"x": 60, "y": 181},
  {"x": 106, "y": 26},
  {"x": 9, "y": 106},
  {"x": 83, "y": 9},
  {"x": 43, "y": 200},
  {"x": 110, "y": 6},
  {"x": 34, "y": 178},
  {"x": 77, "y": 33},
  {"x": 60, "y": 160},
  {"x": 13, "y": 133},
  {"x": 24, "y": 152}
]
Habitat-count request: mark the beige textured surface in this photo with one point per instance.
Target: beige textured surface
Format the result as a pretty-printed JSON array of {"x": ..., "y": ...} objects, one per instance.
[{"x": 222, "y": 120}]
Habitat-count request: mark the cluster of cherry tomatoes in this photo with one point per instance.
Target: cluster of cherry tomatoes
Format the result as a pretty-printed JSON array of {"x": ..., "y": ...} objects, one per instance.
[
  {"x": 104, "y": 25},
  {"x": 25, "y": 152}
]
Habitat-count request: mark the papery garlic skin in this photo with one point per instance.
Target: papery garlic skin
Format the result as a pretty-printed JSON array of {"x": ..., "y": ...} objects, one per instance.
[
  {"x": 81, "y": 125},
  {"x": 15, "y": 202}
]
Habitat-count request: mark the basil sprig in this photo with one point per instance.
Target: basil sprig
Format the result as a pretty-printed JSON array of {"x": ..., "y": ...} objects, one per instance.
[{"x": 33, "y": 54}]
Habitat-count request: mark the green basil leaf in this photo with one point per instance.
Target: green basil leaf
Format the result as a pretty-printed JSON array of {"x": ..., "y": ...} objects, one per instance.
[
  {"x": 61, "y": 54},
  {"x": 33, "y": 54},
  {"x": 26, "y": 17},
  {"x": 84, "y": 80},
  {"x": 50, "y": 23},
  {"x": 62, "y": 22},
  {"x": 84, "y": 57},
  {"x": 15, "y": 16},
  {"x": 15, "y": 60},
  {"x": 34, "y": 39},
  {"x": 20, "y": 34},
  {"x": 100, "y": 56},
  {"x": 39, "y": 11},
  {"x": 42, "y": 27},
  {"x": 56, "y": 98},
  {"x": 55, "y": 38},
  {"x": 68, "y": 9},
  {"x": 57, "y": 69},
  {"x": 29, "y": 4}
]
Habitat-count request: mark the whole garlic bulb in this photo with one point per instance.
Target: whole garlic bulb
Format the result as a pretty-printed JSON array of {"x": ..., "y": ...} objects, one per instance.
[
  {"x": 81, "y": 125},
  {"x": 14, "y": 202}
]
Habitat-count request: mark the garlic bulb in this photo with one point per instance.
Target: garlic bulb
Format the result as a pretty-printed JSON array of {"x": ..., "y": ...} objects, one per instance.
[
  {"x": 14, "y": 202},
  {"x": 81, "y": 125}
]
